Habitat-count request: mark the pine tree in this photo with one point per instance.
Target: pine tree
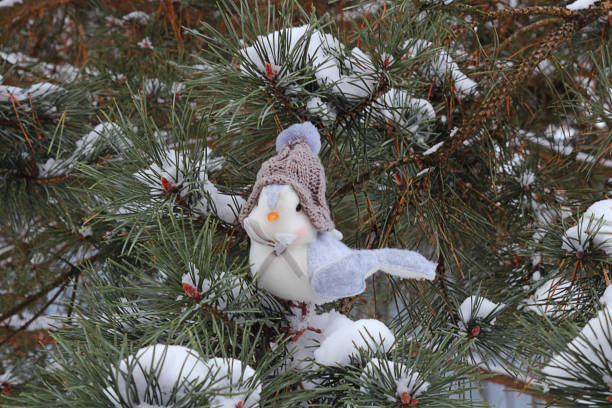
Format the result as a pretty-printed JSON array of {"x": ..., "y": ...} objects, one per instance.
[{"x": 476, "y": 133}]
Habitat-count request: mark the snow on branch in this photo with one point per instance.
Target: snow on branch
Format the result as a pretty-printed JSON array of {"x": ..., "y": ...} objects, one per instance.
[
  {"x": 587, "y": 360},
  {"x": 593, "y": 230},
  {"x": 176, "y": 173},
  {"x": 85, "y": 148},
  {"x": 554, "y": 298},
  {"x": 441, "y": 65},
  {"x": 9, "y": 3},
  {"x": 477, "y": 308},
  {"x": 163, "y": 374},
  {"x": 581, "y": 4},
  {"x": 409, "y": 385},
  {"x": 350, "y": 75},
  {"x": 336, "y": 338},
  {"x": 219, "y": 291},
  {"x": 412, "y": 114},
  {"x": 8, "y": 93}
]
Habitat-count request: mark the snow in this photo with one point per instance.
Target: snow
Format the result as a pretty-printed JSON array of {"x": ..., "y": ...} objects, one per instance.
[
  {"x": 397, "y": 106},
  {"x": 145, "y": 43},
  {"x": 424, "y": 171},
  {"x": 553, "y": 298},
  {"x": 324, "y": 111},
  {"x": 212, "y": 293},
  {"x": 442, "y": 64},
  {"x": 588, "y": 353},
  {"x": 339, "y": 338},
  {"x": 84, "y": 147},
  {"x": 405, "y": 380},
  {"x": 230, "y": 378},
  {"x": 224, "y": 206},
  {"x": 139, "y": 16},
  {"x": 87, "y": 144},
  {"x": 54, "y": 167},
  {"x": 40, "y": 323},
  {"x": 173, "y": 370},
  {"x": 17, "y": 58},
  {"x": 594, "y": 227},
  {"x": 526, "y": 178},
  {"x": 369, "y": 334},
  {"x": 35, "y": 91},
  {"x": 203, "y": 195},
  {"x": 395, "y": 99},
  {"x": 433, "y": 149},
  {"x": 169, "y": 169},
  {"x": 606, "y": 298},
  {"x": 584, "y": 157},
  {"x": 352, "y": 77},
  {"x": 581, "y": 4},
  {"x": 9, "y": 3},
  {"x": 477, "y": 308},
  {"x": 359, "y": 11}
]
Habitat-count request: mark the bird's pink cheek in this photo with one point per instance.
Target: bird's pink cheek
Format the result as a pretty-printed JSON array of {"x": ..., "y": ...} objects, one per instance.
[{"x": 301, "y": 232}]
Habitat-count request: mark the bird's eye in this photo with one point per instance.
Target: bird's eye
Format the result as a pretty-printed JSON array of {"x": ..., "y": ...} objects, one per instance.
[{"x": 299, "y": 207}]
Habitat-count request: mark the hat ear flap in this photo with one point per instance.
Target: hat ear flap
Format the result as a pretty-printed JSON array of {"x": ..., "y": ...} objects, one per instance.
[{"x": 305, "y": 131}]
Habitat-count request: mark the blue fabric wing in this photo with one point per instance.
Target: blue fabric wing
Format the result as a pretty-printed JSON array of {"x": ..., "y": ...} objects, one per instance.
[
  {"x": 332, "y": 268},
  {"x": 337, "y": 271}
]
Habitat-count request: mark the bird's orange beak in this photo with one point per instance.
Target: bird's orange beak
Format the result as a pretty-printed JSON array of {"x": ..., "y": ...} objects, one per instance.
[{"x": 272, "y": 216}]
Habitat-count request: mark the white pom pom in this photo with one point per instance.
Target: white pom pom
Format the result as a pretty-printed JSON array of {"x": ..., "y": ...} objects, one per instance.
[{"x": 305, "y": 131}]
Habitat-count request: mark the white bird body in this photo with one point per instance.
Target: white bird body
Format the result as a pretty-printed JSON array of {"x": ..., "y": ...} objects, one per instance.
[
  {"x": 292, "y": 227},
  {"x": 279, "y": 279}
]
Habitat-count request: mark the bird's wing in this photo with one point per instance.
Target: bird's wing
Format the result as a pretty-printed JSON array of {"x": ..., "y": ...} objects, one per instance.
[
  {"x": 402, "y": 263},
  {"x": 337, "y": 271},
  {"x": 332, "y": 270}
]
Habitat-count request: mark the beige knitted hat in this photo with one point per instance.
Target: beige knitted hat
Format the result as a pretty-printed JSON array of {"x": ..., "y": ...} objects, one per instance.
[{"x": 296, "y": 164}]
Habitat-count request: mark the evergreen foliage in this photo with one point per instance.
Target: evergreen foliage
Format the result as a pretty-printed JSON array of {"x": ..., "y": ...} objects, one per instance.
[{"x": 477, "y": 133}]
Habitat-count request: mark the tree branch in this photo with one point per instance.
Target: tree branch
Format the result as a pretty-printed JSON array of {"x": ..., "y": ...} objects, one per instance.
[
  {"x": 515, "y": 384},
  {"x": 72, "y": 272},
  {"x": 36, "y": 315},
  {"x": 488, "y": 108}
]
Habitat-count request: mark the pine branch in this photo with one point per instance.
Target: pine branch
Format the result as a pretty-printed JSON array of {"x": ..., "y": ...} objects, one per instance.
[
  {"x": 35, "y": 316},
  {"x": 381, "y": 88},
  {"x": 279, "y": 94},
  {"x": 30, "y": 7},
  {"x": 74, "y": 271},
  {"x": 485, "y": 110},
  {"x": 563, "y": 12},
  {"x": 530, "y": 27},
  {"x": 440, "y": 270},
  {"x": 216, "y": 313}
]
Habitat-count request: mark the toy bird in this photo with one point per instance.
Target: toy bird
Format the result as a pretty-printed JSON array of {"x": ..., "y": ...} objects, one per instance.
[{"x": 296, "y": 254}]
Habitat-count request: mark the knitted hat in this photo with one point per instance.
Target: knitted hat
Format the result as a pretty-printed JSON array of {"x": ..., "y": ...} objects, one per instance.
[{"x": 296, "y": 164}]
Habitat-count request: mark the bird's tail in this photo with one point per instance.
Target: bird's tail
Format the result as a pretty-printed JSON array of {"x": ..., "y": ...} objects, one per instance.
[{"x": 402, "y": 263}]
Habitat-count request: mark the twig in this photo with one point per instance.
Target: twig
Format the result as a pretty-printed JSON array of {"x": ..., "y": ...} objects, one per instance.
[
  {"x": 535, "y": 11},
  {"x": 289, "y": 108},
  {"x": 530, "y": 27},
  {"x": 515, "y": 384},
  {"x": 73, "y": 297},
  {"x": 216, "y": 313},
  {"x": 440, "y": 269},
  {"x": 73, "y": 271},
  {"x": 36, "y": 316}
]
